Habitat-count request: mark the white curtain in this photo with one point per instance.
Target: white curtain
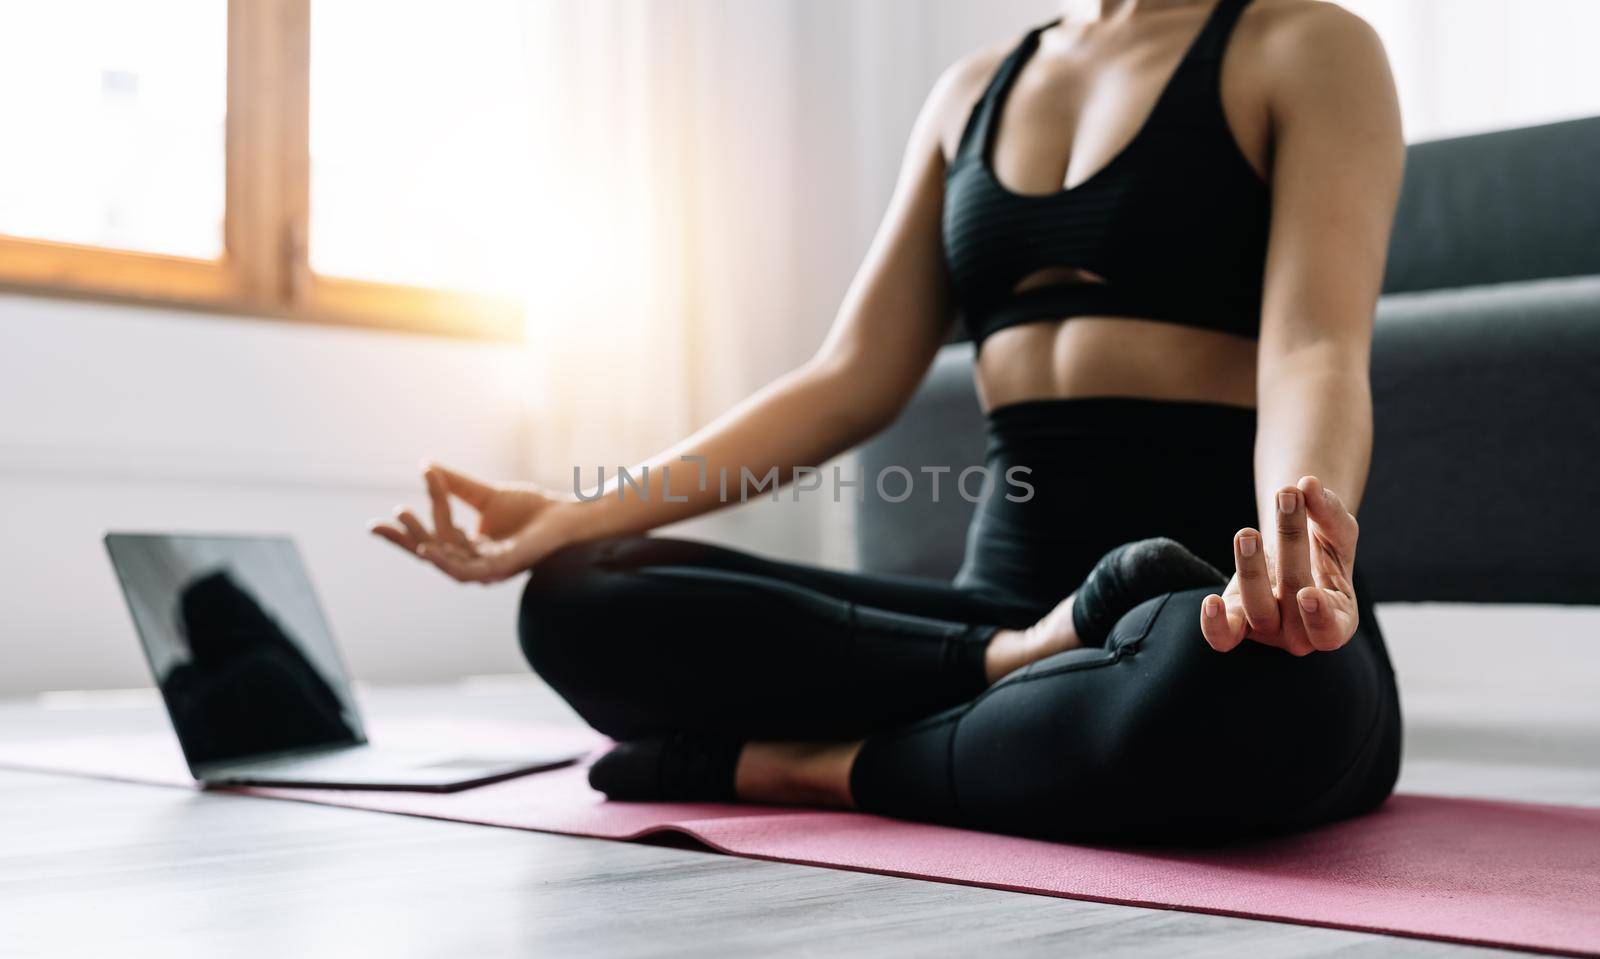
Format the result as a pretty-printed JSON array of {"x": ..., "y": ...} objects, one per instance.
[
  {"x": 708, "y": 175},
  {"x": 1465, "y": 66},
  {"x": 610, "y": 296}
]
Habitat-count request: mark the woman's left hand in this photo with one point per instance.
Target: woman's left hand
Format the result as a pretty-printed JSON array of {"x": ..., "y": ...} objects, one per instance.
[{"x": 1301, "y": 599}]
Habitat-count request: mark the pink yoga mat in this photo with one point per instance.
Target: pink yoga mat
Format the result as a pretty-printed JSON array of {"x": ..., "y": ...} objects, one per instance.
[{"x": 1521, "y": 875}]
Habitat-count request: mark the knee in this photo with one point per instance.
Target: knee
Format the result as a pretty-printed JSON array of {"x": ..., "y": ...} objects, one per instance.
[
  {"x": 1189, "y": 695},
  {"x": 1169, "y": 619},
  {"x": 559, "y": 589}
]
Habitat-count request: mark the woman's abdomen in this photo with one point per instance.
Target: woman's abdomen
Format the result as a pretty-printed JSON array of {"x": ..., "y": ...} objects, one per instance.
[
  {"x": 1104, "y": 471},
  {"x": 1115, "y": 356}
]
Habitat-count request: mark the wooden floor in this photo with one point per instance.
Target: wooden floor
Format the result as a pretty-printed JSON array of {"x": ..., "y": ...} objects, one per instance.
[{"x": 106, "y": 869}]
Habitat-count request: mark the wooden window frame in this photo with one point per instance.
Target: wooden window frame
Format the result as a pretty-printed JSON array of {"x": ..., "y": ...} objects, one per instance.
[{"x": 264, "y": 269}]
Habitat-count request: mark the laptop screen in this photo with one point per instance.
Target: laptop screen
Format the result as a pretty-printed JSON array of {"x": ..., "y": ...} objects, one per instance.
[{"x": 237, "y": 644}]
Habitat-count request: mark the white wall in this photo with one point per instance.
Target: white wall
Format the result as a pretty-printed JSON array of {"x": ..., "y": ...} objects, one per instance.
[{"x": 117, "y": 417}]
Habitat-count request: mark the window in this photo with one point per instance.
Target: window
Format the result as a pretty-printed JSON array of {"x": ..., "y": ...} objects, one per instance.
[
  {"x": 438, "y": 112},
  {"x": 116, "y": 143},
  {"x": 344, "y": 161}
]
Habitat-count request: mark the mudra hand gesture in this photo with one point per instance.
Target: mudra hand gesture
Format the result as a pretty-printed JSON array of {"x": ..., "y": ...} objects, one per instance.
[
  {"x": 518, "y": 525},
  {"x": 1300, "y": 598}
]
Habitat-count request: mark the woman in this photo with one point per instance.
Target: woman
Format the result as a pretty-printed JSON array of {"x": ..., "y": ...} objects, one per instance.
[{"x": 1164, "y": 224}]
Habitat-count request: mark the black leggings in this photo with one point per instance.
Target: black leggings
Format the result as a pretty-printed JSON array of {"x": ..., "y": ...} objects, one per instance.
[{"x": 1152, "y": 737}]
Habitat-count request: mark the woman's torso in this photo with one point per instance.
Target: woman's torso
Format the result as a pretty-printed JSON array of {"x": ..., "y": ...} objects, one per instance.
[{"x": 1097, "y": 134}]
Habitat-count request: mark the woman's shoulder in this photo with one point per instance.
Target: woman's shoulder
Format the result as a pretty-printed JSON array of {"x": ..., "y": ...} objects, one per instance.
[
  {"x": 1315, "y": 15},
  {"x": 1282, "y": 33},
  {"x": 1288, "y": 45},
  {"x": 959, "y": 88}
]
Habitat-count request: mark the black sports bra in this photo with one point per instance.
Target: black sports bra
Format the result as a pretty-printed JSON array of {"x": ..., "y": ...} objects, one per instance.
[{"x": 1174, "y": 228}]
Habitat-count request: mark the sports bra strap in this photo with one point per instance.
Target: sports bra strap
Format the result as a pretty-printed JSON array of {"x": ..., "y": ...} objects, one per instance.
[
  {"x": 1212, "y": 42},
  {"x": 975, "y": 137},
  {"x": 1204, "y": 54},
  {"x": 1195, "y": 89}
]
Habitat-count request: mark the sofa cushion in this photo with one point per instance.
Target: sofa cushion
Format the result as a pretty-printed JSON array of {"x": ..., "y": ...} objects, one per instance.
[
  {"x": 942, "y": 426},
  {"x": 1487, "y": 423},
  {"x": 1498, "y": 207}
]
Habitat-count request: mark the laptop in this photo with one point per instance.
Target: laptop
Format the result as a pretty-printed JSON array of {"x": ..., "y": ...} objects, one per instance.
[{"x": 253, "y": 681}]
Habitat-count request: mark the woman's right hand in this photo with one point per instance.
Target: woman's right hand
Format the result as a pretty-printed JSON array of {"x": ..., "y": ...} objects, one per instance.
[{"x": 518, "y": 525}]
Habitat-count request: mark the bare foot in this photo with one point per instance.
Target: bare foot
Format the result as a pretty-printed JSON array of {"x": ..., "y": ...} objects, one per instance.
[
  {"x": 796, "y": 774},
  {"x": 1011, "y": 649}
]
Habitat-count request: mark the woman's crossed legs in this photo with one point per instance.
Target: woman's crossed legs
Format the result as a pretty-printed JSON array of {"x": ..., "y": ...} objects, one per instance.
[{"x": 879, "y": 692}]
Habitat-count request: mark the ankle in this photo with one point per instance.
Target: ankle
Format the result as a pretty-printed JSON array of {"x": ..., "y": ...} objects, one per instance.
[
  {"x": 1008, "y": 651},
  {"x": 802, "y": 774},
  {"x": 1011, "y": 649}
]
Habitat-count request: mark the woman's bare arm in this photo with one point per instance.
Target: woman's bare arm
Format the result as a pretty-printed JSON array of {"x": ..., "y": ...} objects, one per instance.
[
  {"x": 892, "y": 322},
  {"x": 1336, "y": 169},
  {"x": 1338, "y": 156}
]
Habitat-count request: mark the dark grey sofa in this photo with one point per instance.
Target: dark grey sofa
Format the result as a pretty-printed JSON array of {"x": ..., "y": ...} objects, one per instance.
[{"x": 1486, "y": 383}]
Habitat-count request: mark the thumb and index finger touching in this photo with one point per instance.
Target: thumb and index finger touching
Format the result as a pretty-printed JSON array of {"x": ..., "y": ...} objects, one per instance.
[{"x": 469, "y": 489}]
